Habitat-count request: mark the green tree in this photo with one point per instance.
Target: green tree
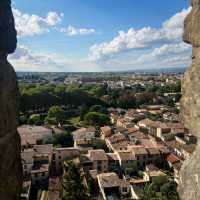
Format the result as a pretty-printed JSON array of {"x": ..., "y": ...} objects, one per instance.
[
  {"x": 83, "y": 111},
  {"x": 72, "y": 185},
  {"x": 55, "y": 115},
  {"x": 169, "y": 191},
  {"x": 160, "y": 190},
  {"x": 127, "y": 100},
  {"x": 62, "y": 140},
  {"x": 34, "y": 119},
  {"x": 98, "y": 108},
  {"x": 96, "y": 119}
]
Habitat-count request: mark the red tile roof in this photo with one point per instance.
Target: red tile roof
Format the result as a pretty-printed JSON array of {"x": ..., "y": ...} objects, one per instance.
[{"x": 172, "y": 158}]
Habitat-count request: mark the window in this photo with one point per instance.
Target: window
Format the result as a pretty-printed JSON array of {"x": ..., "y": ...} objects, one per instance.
[{"x": 124, "y": 189}]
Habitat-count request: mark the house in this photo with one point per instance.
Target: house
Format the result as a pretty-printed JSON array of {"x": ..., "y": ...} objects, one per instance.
[
  {"x": 175, "y": 163},
  {"x": 117, "y": 142},
  {"x": 152, "y": 173},
  {"x": 176, "y": 148},
  {"x": 154, "y": 155},
  {"x": 27, "y": 162},
  {"x": 185, "y": 138},
  {"x": 125, "y": 122},
  {"x": 99, "y": 160},
  {"x": 34, "y": 158},
  {"x": 145, "y": 123},
  {"x": 113, "y": 162},
  {"x": 61, "y": 154},
  {"x": 168, "y": 136},
  {"x": 135, "y": 115},
  {"x": 169, "y": 116},
  {"x": 40, "y": 174},
  {"x": 137, "y": 187},
  {"x": 111, "y": 187},
  {"x": 42, "y": 160},
  {"x": 136, "y": 136},
  {"x": 176, "y": 127},
  {"x": 190, "y": 139},
  {"x": 172, "y": 159},
  {"x": 84, "y": 137},
  {"x": 30, "y": 134},
  {"x": 114, "y": 117},
  {"x": 54, "y": 188},
  {"x": 126, "y": 159},
  {"x": 158, "y": 129},
  {"x": 187, "y": 150},
  {"x": 27, "y": 141},
  {"x": 155, "y": 128},
  {"x": 105, "y": 131},
  {"x": 140, "y": 154},
  {"x": 156, "y": 107}
]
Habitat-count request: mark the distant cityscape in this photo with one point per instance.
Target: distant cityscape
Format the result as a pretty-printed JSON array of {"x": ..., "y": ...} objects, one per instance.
[{"x": 121, "y": 133}]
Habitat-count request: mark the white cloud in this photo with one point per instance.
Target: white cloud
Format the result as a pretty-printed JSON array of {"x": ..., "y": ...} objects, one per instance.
[
  {"x": 53, "y": 18},
  {"x": 147, "y": 37},
  {"x": 167, "y": 55},
  {"x": 165, "y": 51},
  {"x": 147, "y": 47},
  {"x": 29, "y": 25},
  {"x": 71, "y": 31},
  {"x": 26, "y": 60}
]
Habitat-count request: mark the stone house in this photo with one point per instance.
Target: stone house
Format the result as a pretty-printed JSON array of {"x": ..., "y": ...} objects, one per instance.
[
  {"x": 111, "y": 186},
  {"x": 84, "y": 137},
  {"x": 99, "y": 160},
  {"x": 105, "y": 131}
]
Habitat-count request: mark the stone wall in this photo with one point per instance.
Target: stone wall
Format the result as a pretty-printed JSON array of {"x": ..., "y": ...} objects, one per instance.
[
  {"x": 189, "y": 188},
  {"x": 10, "y": 160}
]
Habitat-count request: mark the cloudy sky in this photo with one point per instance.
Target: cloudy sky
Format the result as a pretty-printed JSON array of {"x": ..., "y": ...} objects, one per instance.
[{"x": 99, "y": 35}]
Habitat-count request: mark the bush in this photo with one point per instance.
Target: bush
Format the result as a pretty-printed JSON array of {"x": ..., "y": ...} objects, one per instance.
[{"x": 34, "y": 119}]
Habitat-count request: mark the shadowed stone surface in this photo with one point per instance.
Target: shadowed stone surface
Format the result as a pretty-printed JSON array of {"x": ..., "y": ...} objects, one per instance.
[
  {"x": 10, "y": 161},
  {"x": 189, "y": 188}
]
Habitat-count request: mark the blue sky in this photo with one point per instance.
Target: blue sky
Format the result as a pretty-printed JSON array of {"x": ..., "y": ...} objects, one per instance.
[{"x": 99, "y": 35}]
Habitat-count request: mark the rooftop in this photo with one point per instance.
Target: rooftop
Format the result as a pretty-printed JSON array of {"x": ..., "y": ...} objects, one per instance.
[
  {"x": 83, "y": 133},
  {"x": 112, "y": 156},
  {"x": 105, "y": 128},
  {"x": 126, "y": 155},
  {"x": 97, "y": 155},
  {"x": 109, "y": 180},
  {"x": 43, "y": 149},
  {"x": 172, "y": 158},
  {"x": 138, "y": 150},
  {"x": 153, "y": 151},
  {"x": 27, "y": 129},
  {"x": 118, "y": 137}
]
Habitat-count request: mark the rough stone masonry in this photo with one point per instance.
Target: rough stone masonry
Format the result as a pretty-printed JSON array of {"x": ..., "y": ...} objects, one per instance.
[
  {"x": 189, "y": 188},
  {"x": 10, "y": 161}
]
